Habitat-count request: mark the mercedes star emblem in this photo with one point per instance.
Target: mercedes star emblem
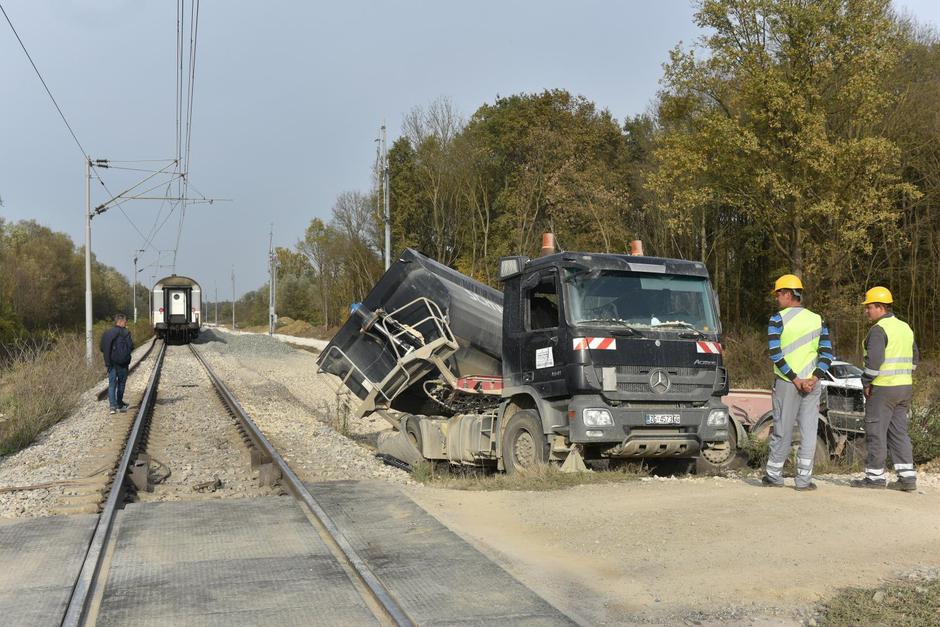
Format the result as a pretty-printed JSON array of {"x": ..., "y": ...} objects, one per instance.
[{"x": 659, "y": 381}]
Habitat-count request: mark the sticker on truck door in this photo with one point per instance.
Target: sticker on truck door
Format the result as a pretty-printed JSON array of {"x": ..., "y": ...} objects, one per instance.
[{"x": 543, "y": 358}]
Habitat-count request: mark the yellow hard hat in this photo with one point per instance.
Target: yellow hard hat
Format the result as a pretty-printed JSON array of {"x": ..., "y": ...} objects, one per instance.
[
  {"x": 788, "y": 282},
  {"x": 878, "y": 294}
]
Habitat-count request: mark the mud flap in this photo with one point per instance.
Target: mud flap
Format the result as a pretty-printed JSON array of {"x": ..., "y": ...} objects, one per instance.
[{"x": 398, "y": 445}]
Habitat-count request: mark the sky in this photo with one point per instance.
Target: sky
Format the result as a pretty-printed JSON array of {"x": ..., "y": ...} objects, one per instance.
[{"x": 288, "y": 99}]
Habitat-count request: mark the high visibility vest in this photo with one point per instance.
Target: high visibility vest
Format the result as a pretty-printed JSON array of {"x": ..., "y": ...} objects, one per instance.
[
  {"x": 898, "y": 365},
  {"x": 799, "y": 341}
]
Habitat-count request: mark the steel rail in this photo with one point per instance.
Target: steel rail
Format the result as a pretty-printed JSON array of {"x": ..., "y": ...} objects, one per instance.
[
  {"x": 300, "y": 492},
  {"x": 80, "y": 599}
]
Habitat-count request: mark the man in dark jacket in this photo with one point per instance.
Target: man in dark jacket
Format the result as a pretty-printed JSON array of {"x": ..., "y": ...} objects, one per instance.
[{"x": 116, "y": 347}]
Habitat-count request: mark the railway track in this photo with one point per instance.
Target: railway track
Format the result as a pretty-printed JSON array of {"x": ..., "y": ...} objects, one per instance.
[{"x": 90, "y": 585}]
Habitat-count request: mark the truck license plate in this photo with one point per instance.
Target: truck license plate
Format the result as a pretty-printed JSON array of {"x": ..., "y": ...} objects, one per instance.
[{"x": 662, "y": 419}]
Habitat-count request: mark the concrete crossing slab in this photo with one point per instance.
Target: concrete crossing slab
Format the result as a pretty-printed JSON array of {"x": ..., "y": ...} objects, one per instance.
[
  {"x": 230, "y": 562},
  {"x": 437, "y": 577},
  {"x": 40, "y": 559}
]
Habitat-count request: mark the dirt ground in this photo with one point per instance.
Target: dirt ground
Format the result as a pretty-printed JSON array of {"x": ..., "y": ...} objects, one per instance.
[{"x": 695, "y": 551}]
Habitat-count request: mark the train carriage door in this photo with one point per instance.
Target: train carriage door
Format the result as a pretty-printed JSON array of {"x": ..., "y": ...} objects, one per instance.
[{"x": 178, "y": 306}]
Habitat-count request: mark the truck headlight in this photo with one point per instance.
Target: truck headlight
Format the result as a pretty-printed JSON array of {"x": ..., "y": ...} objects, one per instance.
[
  {"x": 597, "y": 418},
  {"x": 717, "y": 418}
]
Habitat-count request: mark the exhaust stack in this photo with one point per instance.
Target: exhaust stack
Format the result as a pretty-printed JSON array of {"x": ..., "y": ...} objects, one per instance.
[
  {"x": 549, "y": 246},
  {"x": 636, "y": 247}
]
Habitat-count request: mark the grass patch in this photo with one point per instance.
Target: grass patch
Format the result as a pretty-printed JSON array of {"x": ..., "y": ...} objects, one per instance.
[
  {"x": 541, "y": 478},
  {"x": 907, "y": 603},
  {"x": 336, "y": 414},
  {"x": 41, "y": 386},
  {"x": 925, "y": 433}
]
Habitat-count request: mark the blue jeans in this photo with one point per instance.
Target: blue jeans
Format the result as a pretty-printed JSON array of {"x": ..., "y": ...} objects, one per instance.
[{"x": 117, "y": 378}]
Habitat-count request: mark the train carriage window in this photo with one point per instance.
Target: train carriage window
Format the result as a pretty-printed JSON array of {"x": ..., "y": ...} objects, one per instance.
[{"x": 542, "y": 304}]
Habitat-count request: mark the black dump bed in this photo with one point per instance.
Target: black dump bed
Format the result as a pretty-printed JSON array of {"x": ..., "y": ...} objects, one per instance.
[{"x": 472, "y": 310}]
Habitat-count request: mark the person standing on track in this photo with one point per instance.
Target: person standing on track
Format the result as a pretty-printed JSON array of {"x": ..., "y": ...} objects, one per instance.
[
  {"x": 116, "y": 348},
  {"x": 800, "y": 348},
  {"x": 891, "y": 357}
]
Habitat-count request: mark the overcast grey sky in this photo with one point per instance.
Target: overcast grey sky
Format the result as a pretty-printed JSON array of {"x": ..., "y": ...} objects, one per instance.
[{"x": 288, "y": 99}]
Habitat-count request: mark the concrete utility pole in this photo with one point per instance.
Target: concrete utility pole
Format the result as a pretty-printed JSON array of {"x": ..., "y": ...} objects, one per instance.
[
  {"x": 272, "y": 284},
  {"x": 134, "y": 282},
  {"x": 153, "y": 282},
  {"x": 388, "y": 221},
  {"x": 88, "y": 321},
  {"x": 233, "y": 298}
]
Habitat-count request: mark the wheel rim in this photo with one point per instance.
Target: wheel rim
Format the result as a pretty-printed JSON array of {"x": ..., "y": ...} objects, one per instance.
[
  {"x": 717, "y": 456},
  {"x": 523, "y": 450}
]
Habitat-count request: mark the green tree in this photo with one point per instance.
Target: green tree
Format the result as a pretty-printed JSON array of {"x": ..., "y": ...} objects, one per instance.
[{"x": 776, "y": 125}]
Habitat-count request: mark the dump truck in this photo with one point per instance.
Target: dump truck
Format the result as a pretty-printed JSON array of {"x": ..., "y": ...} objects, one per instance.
[{"x": 581, "y": 356}]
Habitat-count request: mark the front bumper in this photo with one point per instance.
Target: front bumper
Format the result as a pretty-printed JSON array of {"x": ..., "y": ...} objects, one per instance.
[{"x": 631, "y": 436}]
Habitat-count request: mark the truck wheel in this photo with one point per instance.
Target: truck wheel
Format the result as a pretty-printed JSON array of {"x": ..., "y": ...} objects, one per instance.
[
  {"x": 524, "y": 444},
  {"x": 713, "y": 461},
  {"x": 412, "y": 429},
  {"x": 821, "y": 456}
]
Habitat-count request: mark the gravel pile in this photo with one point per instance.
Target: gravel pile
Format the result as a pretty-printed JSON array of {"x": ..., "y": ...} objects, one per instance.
[
  {"x": 244, "y": 345},
  {"x": 59, "y": 453},
  {"x": 196, "y": 450},
  {"x": 298, "y": 410}
]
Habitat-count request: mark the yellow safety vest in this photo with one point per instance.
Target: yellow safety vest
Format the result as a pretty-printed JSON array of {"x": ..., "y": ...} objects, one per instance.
[
  {"x": 898, "y": 365},
  {"x": 799, "y": 341}
]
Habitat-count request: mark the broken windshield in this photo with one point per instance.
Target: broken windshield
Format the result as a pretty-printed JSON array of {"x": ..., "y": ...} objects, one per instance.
[{"x": 645, "y": 301}]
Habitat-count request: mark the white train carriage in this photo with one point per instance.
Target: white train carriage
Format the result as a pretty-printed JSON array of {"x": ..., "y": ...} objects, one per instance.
[{"x": 177, "y": 307}]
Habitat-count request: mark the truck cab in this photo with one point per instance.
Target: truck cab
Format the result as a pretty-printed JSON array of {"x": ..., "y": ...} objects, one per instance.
[{"x": 617, "y": 354}]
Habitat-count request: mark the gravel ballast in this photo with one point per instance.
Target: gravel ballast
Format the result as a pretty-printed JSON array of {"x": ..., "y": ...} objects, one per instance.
[
  {"x": 61, "y": 452},
  {"x": 297, "y": 408},
  {"x": 196, "y": 451}
]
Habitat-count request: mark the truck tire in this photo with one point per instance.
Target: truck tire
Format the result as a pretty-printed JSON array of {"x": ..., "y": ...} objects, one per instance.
[
  {"x": 524, "y": 444},
  {"x": 412, "y": 429},
  {"x": 713, "y": 462}
]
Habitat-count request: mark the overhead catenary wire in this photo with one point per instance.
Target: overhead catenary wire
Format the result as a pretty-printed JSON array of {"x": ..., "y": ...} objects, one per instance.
[
  {"x": 68, "y": 125},
  {"x": 187, "y": 142},
  {"x": 45, "y": 86}
]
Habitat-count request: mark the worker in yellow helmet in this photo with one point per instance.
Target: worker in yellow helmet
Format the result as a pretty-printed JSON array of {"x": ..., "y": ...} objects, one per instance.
[
  {"x": 801, "y": 351},
  {"x": 891, "y": 357}
]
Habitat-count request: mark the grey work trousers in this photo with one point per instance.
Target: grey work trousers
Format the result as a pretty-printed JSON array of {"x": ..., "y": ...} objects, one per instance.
[
  {"x": 792, "y": 407},
  {"x": 887, "y": 415}
]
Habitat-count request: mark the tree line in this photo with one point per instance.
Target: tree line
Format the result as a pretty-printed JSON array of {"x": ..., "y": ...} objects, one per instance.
[{"x": 42, "y": 283}]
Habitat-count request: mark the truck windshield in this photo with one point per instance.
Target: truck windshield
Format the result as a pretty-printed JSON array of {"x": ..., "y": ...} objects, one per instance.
[{"x": 646, "y": 301}]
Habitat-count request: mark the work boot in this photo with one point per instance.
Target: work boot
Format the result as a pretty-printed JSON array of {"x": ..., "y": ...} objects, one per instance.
[
  {"x": 904, "y": 484},
  {"x": 770, "y": 483},
  {"x": 805, "y": 488},
  {"x": 868, "y": 483}
]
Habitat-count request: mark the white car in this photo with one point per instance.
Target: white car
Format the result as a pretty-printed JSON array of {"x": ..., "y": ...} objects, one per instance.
[{"x": 843, "y": 375}]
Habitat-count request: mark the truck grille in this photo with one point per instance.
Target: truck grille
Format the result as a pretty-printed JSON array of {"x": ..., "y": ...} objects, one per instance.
[
  {"x": 684, "y": 384},
  {"x": 643, "y": 388}
]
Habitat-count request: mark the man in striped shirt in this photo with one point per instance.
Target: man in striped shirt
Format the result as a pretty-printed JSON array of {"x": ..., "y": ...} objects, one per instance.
[{"x": 801, "y": 352}]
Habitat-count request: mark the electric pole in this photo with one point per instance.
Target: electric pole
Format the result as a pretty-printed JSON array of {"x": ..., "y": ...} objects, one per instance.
[
  {"x": 134, "y": 282},
  {"x": 272, "y": 284},
  {"x": 88, "y": 320},
  {"x": 216, "y": 303},
  {"x": 388, "y": 222},
  {"x": 233, "y": 298}
]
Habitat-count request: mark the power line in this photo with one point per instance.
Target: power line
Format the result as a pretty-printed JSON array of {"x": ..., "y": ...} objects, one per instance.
[
  {"x": 43, "y": 81},
  {"x": 184, "y": 192}
]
